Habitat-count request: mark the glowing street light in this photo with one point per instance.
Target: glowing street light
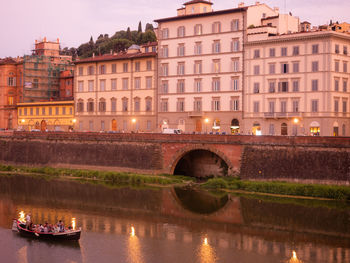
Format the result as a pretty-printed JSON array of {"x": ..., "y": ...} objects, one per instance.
[
  {"x": 23, "y": 120},
  {"x": 133, "y": 120},
  {"x": 296, "y": 120},
  {"x": 206, "y": 125}
]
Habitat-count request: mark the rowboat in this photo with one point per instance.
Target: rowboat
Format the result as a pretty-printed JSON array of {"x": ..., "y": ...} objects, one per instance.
[{"x": 67, "y": 235}]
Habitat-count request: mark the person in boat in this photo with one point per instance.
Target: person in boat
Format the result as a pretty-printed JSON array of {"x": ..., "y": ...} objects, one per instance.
[
  {"x": 28, "y": 220},
  {"x": 60, "y": 226}
]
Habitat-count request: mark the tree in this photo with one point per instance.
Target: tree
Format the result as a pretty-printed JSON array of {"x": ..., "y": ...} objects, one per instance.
[
  {"x": 128, "y": 34},
  {"x": 149, "y": 27},
  {"x": 148, "y": 36},
  {"x": 139, "y": 30}
]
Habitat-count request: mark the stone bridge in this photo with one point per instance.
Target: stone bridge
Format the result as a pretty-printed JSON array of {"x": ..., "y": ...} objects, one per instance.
[{"x": 307, "y": 159}]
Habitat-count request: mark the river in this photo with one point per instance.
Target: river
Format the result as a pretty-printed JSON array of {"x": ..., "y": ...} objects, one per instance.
[{"x": 151, "y": 225}]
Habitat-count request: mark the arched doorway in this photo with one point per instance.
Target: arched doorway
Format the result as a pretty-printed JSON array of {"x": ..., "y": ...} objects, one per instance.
[
  {"x": 315, "y": 128},
  {"x": 216, "y": 126},
  {"x": 43, "y": 125},
  {"x": 335, "y": 129},
  {"x": 284, "y": 129},
  {"x": 234, "y": 126},
  {"x": 256, "y": 130},
  {"x": 114, "y": 125},
  {"x": 198, "y": 125},
  {"x": 201, "y": 164}
]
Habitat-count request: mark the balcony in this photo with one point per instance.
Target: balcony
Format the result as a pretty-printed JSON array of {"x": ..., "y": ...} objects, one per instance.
[
  {"x": 281, "y": 115},
  {"x": 195, "y": 114},
  {"x": 269, "y": 115}
]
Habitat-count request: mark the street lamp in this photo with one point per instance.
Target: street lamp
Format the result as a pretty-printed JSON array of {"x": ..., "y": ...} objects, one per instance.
[
  {"x": 133, "y": 123},
  {"x": 206, "y": 125},
  {"x": 295, "y": 126}
]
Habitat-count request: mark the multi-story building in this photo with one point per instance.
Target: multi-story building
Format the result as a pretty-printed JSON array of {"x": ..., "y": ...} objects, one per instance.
[
  {"x": 66, "y": 84},
  {"x": 297, "y": 84},
  {"x": 201, "y": 64},
  {"x": 41, "y": 72},
  {"x": 117, "y": 92},
  {"x": 46, "y": 116},
  {"x": 10, "y": 82}
]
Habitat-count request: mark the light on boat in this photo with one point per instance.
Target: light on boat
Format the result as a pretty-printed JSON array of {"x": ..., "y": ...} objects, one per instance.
[
  {"x": 294, "y": 258},
  {"x": 73, "y": 223},
  {"x": 205, "y": 241},
  {"x": 132, "y": 231},
  {"x": 21, "y": 217}
]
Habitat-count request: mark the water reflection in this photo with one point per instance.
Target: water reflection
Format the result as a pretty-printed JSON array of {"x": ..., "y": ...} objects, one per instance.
[
  {"x": 206, "y": 252},
  {"x": 22, "y": 255},
  {"x": 294, "y": 258},
  {"x": 134, "y": 248}
]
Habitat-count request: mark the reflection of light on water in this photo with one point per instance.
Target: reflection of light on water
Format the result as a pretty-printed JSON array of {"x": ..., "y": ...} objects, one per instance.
[
  {"x": 73, "y": 223},
  {"x": 206, "y": 252},
  {"x": 134, "y": 249},
  {"x": 21, "y": 217},
  {"x": 22, "y": 255},
  {"x": 294, "y": 258}
]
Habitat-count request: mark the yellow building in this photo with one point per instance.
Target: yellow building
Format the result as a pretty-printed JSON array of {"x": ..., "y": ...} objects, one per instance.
[{"x": 46, "y": 116}]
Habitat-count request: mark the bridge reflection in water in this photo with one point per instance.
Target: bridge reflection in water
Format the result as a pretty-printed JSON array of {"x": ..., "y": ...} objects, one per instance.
[{"x": 157, "y": 225}]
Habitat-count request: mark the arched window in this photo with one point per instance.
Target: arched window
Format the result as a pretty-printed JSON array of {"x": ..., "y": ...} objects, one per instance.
[
  {"x": 256, "y": 130},
  {"x": 234, "y": 126},
  {"x": 284, "y": 129}
]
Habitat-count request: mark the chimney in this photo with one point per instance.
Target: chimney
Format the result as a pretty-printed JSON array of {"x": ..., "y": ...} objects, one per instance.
[
  {"x": 241, "y": 4},
  {"x": 276, "y": 9}
]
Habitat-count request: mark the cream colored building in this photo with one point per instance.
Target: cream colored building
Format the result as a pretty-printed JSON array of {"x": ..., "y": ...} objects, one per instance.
[
  {"x": 117, "y": 92},
  {"x": 297, "y": 84},
  {"x": 201, "y": 64}
]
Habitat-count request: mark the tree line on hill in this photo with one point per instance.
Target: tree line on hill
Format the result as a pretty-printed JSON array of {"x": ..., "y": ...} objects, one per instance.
[{"x": 120, "y": 41}]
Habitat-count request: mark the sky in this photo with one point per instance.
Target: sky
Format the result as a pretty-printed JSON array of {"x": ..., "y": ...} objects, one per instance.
[{"x": 75, "y": 21}]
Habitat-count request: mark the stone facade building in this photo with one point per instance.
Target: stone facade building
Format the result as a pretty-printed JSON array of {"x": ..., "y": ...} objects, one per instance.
[{"x": 117, "y": 92}]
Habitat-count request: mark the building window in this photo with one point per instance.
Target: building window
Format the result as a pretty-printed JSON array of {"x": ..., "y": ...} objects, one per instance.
[
  {"x": 102, "y": 105},
  {"x": 180, "y": 105},
  {"x": 43, "y": 111},
  {"x": 125, "y": 84},
  {"x": 295, "y": 67},
  {"x": 272, "y": 86},
  {"x": 256, "y": 53},
  {"x": 198, "y": 30},
  {"x": 165, "y": 33},
  {"x": 57, "y": 109},
  {"x": 63, "y": 110},
  {"x": 336, "y": 106},
  {"x": 315, "y": 49},
  {"x": 284, "y": 68},
  {"x": 235, "y": 104},
  {"x": 283, "y": 86},
  {"x": 295, "y": 85},
  {"x": 257, "y": 70},
  {"x": 80, "y": 86},
  {"x": 102, "y": 69},
  {"x": 235, "y": 65},
  {"x": 314, "y": 85},
  {"x": 216, "y": 46},
  {"x": 113, "y": 84},
  {"x": 295, "y": 106},
  {"x": 81, "y": 71},
  {"x": 114, "y": 68},
  {"x": 235, "y": 84},
  {"x": 181, "y": 31},
  {"x": 256, "y": 88},
  {"x": 216, "y": 66},
  {"x": 345, "y": 85},
  {"x": 336, "y": 66},
  {"x": 181, "y": 50},
  {"x": 137, "y": 66},
  {"x": 197, "y": 106},
  {"x": 148, "y": 82},
  {"x": 337, "y": 51},
  {"x": 91, "y": 70},
  {"x": 148, "y": 104},
  {"x": 149, "y": 65},
  {"x": 345, "y": 103},
  {"x": 216, "y": 84},
  {"x": 283, "y": 51},
  {"x": 256, "y": 106},
  {"x": 283, "y": 106},
  {"x": 235, "y": 45},
  {"x": 197, "y": 67},
  {"x": 91, "y": 125},
  {"x": 272, "y": 52},
  {"x": 125, "y": 103},
  {"x": 149, "y": 125},
  {"x": 181, "y": 86},
  {"x": 164, "y": 87},
  {"x": 197, "y": 85},
  {"x": 345, "y": 50},
  {"x": 90, "y": 105},
  {"x": 216, "y": 104},
  {"x": 216, "y": 27},
  {"x": 137, "y": 104},
  {"x": 102, "y": 84},
  {"x": 272, "y": 68},
  {"x": 296, "y": 51},
  {"x": 164, "y": 105},
  {"x": 91, "y": 85},
  {"x": 314, "y": 105},
  {"x": 198, "y": 48},
  {"x": 113, "y": 105},
  {"x": 31, "y": 112},
  {"x": 35, "y": 83},
  {"x": 125, "y": 67},
  {"x": 165, "y": 69},
  {"x": 50, "y": 111},
  {"x": 181, "y": 68},
  {"x": 235, "y": 25},
  {"x": 314, "y": 66},
  {"x": 345, "y": 67},
  {"x": 272, "y": 107},
  {"x": 137, "y": 83},
  {"x": 336, "y": 85}
]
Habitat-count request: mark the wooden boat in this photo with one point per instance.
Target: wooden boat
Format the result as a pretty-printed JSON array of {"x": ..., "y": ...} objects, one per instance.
[{"x": 67, "y": 235}]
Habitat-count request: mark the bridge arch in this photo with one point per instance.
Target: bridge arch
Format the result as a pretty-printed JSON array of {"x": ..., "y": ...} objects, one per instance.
[{"x": 200, "y": 161}]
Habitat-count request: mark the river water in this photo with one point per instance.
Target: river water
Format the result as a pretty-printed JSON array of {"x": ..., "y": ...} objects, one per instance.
[{"x": 144, "y": 225}]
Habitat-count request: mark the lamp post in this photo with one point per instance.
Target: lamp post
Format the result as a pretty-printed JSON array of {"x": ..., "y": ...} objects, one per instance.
[
  {"x": 295, "y": 126},
  {"x": 74, "y": 121},
  {"x": 206, "y": 125},
  {"x": 133, "y": 123}
]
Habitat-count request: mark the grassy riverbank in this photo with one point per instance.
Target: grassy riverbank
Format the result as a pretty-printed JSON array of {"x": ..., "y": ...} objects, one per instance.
[
  {"x": 280, "y": 188},
  {"x": 112, "y": 178}
]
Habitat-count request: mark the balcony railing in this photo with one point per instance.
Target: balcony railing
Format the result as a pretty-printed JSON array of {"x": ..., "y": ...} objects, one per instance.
[
  {"x": 277, "y": 115},
  {"x": 195, "y": 114}
]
